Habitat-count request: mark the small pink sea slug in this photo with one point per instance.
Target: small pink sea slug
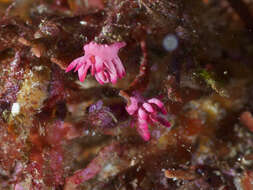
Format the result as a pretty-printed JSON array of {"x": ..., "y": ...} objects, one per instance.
[
  {"x": 146, "y": 112},
  {"x": 103, "y": 61}
]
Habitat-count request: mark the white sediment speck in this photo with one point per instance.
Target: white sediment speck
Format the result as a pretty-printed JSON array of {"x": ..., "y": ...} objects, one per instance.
[
  {"x": 170, "y": 42},
  {"x": 15, "y": 109},
  {"x": 83, "y": 22},
  {"x": 38, "y": 68}
]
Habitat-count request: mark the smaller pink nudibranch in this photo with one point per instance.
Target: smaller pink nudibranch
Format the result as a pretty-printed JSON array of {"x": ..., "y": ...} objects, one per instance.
[
  {"x": 146, "y": 112},
  {"x": 103, "y": 61}
]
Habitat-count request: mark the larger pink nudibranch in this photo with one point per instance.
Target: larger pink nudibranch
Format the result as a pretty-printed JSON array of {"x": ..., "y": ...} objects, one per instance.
[
  {"x": 103, "y": 61},
  {"x": 146, "y": 112}
]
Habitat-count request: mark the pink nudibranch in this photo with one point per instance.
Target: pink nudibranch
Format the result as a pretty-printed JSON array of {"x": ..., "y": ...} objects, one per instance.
[
  {"x": 103, "y": 61},
  {"x": 146, "y": 112}
]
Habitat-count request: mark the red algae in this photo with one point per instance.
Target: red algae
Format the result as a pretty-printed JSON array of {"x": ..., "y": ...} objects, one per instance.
[{"x": 247, "y": 119}]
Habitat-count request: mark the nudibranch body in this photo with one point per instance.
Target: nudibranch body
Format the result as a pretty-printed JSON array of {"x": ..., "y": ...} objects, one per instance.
[{"x": 103, "y": 60}]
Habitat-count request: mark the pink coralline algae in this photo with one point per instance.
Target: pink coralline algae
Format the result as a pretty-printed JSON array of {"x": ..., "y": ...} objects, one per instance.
[
  {"x": 146, "y": 112},
  {"x": 103, "y": 61}
]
